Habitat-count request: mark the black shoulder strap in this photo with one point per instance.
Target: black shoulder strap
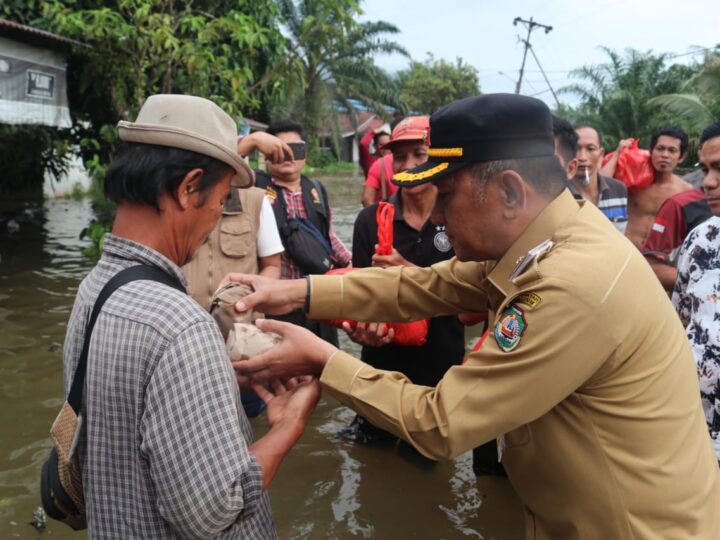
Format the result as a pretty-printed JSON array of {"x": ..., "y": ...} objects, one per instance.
[
  {"x": 127, "y": 275},
  {"x": 321, "y": 220},
  {"x": 262, "y": 179}
]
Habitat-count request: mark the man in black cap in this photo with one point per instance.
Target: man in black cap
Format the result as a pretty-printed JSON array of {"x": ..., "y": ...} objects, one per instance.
[{"x": 587, "y": 379}]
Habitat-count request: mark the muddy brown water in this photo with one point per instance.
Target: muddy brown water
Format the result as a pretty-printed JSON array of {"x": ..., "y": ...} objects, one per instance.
[{"x": 326, "y": 488}]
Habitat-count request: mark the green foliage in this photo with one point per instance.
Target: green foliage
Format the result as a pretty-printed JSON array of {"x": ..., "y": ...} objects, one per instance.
[
  {"x": 698, "y": 104},
  {"x": 320, "y": 159},
  {"x": 615, "y": 96},
  {"x": 330, "y": 59},
  {"x": 21, "y": 11},
  {"x": 95, "y": 232},
  {"x": 78, "y": 193},
  {"x": 429, "y": 85},
  {"x": 140, "y": 47},
  {"x": 26, "y": 154}
]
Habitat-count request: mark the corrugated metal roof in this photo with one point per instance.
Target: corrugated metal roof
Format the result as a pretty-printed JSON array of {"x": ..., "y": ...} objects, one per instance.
[
  {"x": 255, "y": 124},
  {"x": 11, "y": 27}
]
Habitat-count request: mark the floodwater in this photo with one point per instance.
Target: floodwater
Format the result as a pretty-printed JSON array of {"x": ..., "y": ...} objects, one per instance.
[{"x": 326, "y": 488}]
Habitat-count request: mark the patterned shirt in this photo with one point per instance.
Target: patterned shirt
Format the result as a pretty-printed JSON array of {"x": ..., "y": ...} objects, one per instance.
[
  {"x": 164, "y": 452},
  {"x": 296, "y": 209},
  {"x": 697, "y": 300}
]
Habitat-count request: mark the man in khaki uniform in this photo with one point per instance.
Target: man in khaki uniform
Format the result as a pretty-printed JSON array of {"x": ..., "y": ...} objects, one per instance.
[{"x": 587, "y": 379}]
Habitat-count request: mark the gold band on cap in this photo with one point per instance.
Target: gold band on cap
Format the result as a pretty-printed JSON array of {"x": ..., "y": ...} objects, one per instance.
[
  {"x": 445, "y": 152},
  {"x": 410, "y": 177}
]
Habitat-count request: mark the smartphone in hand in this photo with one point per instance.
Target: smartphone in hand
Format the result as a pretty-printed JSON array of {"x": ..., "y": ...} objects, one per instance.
[{"x": 298, "y": 149}]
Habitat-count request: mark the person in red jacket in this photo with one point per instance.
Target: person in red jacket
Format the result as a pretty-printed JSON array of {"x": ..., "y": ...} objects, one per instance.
[{"x": 369, "y": 145}]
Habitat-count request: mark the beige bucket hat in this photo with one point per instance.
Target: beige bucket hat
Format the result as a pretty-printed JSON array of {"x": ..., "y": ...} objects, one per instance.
[{"x": 189, "y": 123}]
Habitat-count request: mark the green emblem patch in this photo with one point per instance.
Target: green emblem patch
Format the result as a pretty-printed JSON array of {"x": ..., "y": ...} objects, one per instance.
[{"x": 510, "y": 328}]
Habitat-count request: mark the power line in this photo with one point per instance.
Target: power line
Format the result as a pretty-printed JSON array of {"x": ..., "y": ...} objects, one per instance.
[
  {"x": 696, "y": 51},
  {"x": 545, "y": 76},
  {"x": 531, "y": 25}
]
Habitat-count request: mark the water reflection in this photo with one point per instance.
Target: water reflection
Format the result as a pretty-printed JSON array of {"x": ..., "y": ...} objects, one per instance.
[
  {"x": 326, "y": 488},
  {"x": 40, "y": 268}
]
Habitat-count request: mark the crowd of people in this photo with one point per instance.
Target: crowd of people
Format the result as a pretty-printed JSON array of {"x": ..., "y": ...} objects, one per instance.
[{"x": 584, "y": 387}]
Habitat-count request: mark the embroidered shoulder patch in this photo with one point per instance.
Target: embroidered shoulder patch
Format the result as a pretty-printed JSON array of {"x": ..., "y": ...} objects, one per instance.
[
  {"x": 510, "y": 328},
  {"x": 530, "y": 299}
]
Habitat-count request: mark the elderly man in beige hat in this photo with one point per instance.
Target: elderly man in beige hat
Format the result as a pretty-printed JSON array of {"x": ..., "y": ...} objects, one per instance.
[{"x": 166, "y": 451}]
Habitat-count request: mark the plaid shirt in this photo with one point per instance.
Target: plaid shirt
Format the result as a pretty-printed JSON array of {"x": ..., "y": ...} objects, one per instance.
[
  {"x": 296, "y": 209},
  {"x": 164, "y": 451}
]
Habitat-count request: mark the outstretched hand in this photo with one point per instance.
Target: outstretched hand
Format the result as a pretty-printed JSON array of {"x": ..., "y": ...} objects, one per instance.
[
  {"x": 299, "y": 353},
  {"x": 394, "y": 259},
  {"x": 270, "y": 296},
  {"x": 370, "y": 334},
  {"x": 289, "y": 401}
]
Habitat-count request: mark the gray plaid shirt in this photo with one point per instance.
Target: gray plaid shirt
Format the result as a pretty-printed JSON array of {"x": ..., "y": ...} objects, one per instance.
[{"x": 165, "y": 449}]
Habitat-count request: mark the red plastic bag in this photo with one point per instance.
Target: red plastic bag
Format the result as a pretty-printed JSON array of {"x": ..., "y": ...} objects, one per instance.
[
  {"x": 406, "y": 333},
  {"x": 634, "y": 167}
]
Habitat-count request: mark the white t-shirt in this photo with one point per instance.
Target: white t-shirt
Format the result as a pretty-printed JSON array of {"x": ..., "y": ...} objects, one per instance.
[{"x": 268, "y": 237}]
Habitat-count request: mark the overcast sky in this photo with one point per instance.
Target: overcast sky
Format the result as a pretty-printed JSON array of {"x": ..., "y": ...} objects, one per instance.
[{"x": 481, "y": 32}]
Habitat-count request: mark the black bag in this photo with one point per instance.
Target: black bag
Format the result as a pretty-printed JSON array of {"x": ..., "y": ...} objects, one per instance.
[
  {"x": 305, "y": 245},
  {"x": 61, "y": 487},
  {"x": 303, "y": 241}
]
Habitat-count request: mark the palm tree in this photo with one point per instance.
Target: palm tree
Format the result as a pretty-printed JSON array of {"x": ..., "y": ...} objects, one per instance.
[
  {"x": 615, "y": 95},
  {"x": 329, "y": 59},
  {"x": 698, "y": 103}
]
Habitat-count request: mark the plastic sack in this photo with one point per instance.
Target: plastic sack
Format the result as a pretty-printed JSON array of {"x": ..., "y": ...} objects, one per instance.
[
  {"x": 634, "y": 167},
  {"x": 412, "y": 333}
]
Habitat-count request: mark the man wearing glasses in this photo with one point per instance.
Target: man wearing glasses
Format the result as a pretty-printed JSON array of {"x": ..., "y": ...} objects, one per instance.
[{"x": 294, "y": 196}]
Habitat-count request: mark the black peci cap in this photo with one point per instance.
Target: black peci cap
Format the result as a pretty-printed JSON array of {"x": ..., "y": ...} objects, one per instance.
[{"x": 483, "y": 128}]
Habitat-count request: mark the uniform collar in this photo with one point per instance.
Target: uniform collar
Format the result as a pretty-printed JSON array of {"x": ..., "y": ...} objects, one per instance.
[{"x": 542, "y": 228}]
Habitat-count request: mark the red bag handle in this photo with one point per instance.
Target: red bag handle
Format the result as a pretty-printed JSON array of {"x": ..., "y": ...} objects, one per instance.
[{"x": 384, "y": 217}]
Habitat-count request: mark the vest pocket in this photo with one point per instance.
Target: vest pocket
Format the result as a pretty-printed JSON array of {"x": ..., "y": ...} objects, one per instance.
[{"x": 236, "y": 236}]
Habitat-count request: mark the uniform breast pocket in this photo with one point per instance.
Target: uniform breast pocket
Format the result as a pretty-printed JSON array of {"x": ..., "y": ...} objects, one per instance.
[{"x": 236, "y": 238}]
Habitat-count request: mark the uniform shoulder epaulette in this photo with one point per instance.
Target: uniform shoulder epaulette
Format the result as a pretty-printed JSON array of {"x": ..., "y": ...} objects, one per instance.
[{"x": 527, "y": 259}]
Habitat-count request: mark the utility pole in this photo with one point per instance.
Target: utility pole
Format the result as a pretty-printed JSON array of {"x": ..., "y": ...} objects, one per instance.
[{"x": 531, "y": 25}]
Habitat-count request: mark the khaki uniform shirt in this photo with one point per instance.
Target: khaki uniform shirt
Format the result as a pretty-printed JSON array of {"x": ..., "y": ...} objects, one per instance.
[
  {"x": 587, "y": 379},
  {"x": 231, "y": 246}
]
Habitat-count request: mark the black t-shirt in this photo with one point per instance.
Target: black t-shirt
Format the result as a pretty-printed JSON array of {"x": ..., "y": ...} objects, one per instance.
[{"x": 445, "y": 344}]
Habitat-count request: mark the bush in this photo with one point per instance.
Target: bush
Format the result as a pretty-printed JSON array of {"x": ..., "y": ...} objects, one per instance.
[{"x": 26, "y": 154}]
